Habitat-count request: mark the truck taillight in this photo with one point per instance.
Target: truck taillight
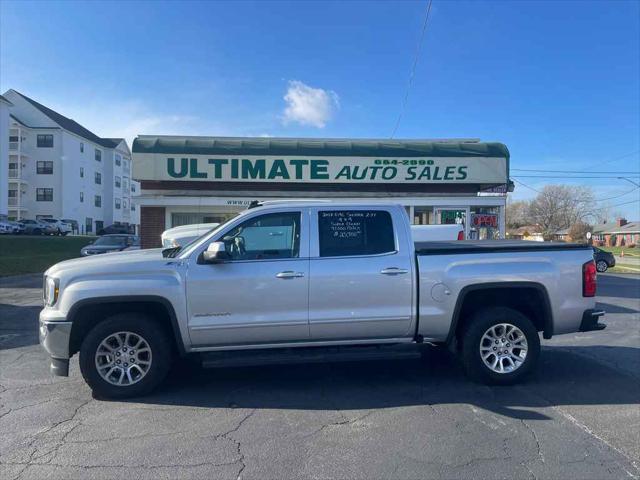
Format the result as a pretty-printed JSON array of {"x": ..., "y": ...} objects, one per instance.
[
  {"x": 461, "y": 235},
  {"x": 589, "y": 279}
]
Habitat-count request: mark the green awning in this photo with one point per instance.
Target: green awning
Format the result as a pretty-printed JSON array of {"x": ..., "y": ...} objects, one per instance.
[{"x": 325, "y": 147}]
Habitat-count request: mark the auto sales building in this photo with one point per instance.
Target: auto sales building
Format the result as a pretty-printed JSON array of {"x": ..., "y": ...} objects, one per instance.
[{"x": 186, "y": 180}]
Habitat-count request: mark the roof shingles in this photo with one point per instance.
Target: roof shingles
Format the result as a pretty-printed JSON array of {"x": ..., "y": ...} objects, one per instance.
[{"x": 70, "y": 124}]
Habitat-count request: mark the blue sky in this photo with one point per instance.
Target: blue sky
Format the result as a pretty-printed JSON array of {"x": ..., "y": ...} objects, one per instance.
[{"x": 557, "y": 82}]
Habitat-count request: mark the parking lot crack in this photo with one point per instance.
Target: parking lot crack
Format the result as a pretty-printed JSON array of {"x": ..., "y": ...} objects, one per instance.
[
  {"x": 534, "y": 435},
  {"x": 238, "y": 444}
]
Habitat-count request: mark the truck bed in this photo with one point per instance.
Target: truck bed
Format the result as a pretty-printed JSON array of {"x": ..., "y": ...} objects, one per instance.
[{"x": 492, "y": 246}]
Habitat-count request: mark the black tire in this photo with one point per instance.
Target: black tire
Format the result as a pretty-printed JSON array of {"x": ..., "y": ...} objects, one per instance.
[
  {"x": 161, "y": 355},
  {"x": 601, "y": 266},
  {"x": 475, "y": 328}
]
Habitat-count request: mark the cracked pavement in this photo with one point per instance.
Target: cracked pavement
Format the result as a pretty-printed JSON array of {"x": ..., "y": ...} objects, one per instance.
[{"x": 577, "y": 417}]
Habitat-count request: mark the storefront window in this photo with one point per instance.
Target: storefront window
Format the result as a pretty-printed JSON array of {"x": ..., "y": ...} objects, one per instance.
[
  {"x": 423, "y": 216},
  {"x": 484, "y": 223},
  {"x": 451, "y": 216}
]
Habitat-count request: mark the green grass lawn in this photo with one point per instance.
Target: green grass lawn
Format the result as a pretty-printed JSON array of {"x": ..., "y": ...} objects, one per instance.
[
  {"x": 632, "y": 252},
  {"x": 29, "y": 254}
]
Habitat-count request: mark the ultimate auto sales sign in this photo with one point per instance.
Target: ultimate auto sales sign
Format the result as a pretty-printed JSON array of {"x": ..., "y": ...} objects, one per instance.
[{"x": 478, "y": 170}]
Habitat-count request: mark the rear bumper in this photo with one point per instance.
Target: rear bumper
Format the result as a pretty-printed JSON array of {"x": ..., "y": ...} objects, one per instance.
[{"x": 590, "y": 320}]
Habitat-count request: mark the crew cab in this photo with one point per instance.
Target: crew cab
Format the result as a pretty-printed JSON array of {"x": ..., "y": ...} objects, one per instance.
[{"x": 313, "y": 281}]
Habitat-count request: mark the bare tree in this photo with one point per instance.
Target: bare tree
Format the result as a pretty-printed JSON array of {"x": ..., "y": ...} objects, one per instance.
[
  {"x": 560, "y": 206},
  {"x": 517, "y": 213},
  {"x": 578, "y": 232}
]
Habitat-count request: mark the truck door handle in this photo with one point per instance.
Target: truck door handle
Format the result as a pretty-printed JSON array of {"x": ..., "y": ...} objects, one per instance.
[
  {"x": 393, "y": 271},
  {"x": 289, "y": 274}
]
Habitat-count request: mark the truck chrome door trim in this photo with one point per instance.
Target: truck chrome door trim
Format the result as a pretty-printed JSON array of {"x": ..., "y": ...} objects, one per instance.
[
  {"x": 319, "y": 343},
  {"x": 393, "y": 271},
  {"x": 289, "y": 274}
]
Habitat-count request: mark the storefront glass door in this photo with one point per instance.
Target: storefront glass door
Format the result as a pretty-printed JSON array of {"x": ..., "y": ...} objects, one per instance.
[{"x": 452, "y": 215}]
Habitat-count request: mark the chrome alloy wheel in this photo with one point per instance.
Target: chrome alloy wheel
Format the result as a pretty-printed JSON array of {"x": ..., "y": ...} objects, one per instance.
[
  {"x": 503, "y": 348},
  {"x": 123, "y": 358}
]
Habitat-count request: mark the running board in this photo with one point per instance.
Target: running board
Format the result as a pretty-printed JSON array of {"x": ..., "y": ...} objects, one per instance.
[{"x": 283, "y": 356}]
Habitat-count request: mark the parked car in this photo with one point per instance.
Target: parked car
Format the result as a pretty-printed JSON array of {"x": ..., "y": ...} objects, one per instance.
[
  {"x": 6, "y": 228},
  {"x": 59, "y": 227},
  {"x": 134, "y": 246},
  {"x": 604, "y": 260},
  {"x": 432, "y": 233},
  {"x": 18, "y": 227},
  {"x": 37, "y": 227},
  {"x": 109, "y": 243},
  {"x": 73, "y": 224},
  {"x": 312, "y": 282},
  {"x": 116, "y": 229},
  {"x": 184, "y": 234}
]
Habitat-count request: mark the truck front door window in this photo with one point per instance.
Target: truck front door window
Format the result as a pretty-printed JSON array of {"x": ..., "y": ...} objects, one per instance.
[
  {"x": 355, "y": 232},
  {"x": 272, "y": 236}
]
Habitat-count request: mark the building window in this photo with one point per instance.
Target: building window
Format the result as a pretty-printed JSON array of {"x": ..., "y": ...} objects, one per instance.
[
  {"x": 88, "y": 225},
  {"x": 125, "y": 204},
  {"x": 98, "y": 155},
  {"x": 355, "y": 232},
  {"x": 117, "y": 204},
  {"x": 44, "y": 167},
  {"x": 81, "y": 197},
  {"x": 44, "y": 194},
  {"x": 45, "y": 141},
  {"x": 81, "y": 172},
  {"x": 98, "y": 178},
  {"x": 81, "y": 147},
  {"x": 125, "y": 165},
  {"x": 125, "y": 184},
  {"x": 117, "y": 181},
  {"x": 97, "y": 201},
  {"x": 133, "y": 207},
  {"x": 118, "y": 160},
  {"x": 133, "y": 187}
]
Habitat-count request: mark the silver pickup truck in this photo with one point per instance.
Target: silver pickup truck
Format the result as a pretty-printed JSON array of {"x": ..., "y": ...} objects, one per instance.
[{"x": 336, "y": 281}]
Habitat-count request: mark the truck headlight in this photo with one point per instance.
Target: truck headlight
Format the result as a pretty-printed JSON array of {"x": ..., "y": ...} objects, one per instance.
[{"x": 51, "y": 291}]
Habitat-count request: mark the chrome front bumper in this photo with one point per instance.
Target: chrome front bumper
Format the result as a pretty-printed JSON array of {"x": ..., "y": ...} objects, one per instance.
[{"x": 54, "y": 338}]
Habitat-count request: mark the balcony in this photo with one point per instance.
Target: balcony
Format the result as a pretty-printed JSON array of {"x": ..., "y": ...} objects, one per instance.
[{"x": 15, "y": 176}]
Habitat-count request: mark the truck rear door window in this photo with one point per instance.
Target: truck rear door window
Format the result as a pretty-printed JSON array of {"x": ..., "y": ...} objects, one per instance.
[{"x": 355, "y": 232}]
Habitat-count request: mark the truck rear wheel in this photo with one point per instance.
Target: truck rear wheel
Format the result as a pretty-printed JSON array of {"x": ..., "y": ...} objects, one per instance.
[
  {"x": 126, "y": 355},
  {"x": 500, "y": 345}
]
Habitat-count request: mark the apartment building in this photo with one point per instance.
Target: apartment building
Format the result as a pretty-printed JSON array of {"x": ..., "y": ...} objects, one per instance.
[
  {"x": 58, "y": 168},
  {"x": 4, "y": 155}
]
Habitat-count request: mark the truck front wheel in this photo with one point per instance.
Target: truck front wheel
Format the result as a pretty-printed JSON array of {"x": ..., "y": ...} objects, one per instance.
[
  {"x": 126, "y": 355},
  {"x": 500, "y": 345}
]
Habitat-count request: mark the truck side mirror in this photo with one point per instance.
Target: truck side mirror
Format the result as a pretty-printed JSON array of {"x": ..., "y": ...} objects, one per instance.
[{"x": 215, "y": 253}]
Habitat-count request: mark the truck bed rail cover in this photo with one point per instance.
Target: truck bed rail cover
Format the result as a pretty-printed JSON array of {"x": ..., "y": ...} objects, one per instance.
[{"x": 492, "y": 246}]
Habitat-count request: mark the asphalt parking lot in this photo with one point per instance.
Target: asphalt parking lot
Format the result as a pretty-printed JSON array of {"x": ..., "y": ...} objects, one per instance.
[{"x": 577, "y": 417}]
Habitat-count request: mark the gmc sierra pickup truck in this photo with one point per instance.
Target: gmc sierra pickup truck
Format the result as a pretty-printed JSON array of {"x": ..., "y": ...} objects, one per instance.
[{"x": 335, "y": 281}]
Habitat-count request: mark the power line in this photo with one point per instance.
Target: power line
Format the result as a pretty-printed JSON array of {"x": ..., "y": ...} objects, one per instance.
[
  {"x": 413, "y": 70},
  {"x": 574, "y": 171},
  {"x": 575, "y": 176},
  {"x": 594, "y": 200},
  {"x": 612, "y": 160}
]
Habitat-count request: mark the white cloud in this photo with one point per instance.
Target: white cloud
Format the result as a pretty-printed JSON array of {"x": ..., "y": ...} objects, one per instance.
[{"x": 309, "y": 106}]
